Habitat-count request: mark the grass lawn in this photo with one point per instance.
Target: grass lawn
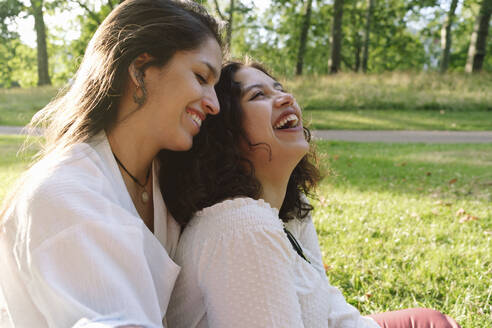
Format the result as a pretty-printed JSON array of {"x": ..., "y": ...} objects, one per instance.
[
  {"x": 17, "y": 106},
  {"x": 369, "y": 119},
  {"x": 389, "y": 101},
  {"x": 400, "y": 225},
  {"x": 393, "y": 232}
]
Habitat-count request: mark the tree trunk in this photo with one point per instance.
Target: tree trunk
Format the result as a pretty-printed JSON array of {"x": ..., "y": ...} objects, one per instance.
[
  {"x": 229, "y": 25},
  {"x": 357, "y": 37},
  {"x": 365, "y": 55},
  {"x": 336, "y": 37},
  {"x": 42, "y": 49},
  {"x": 303, "y": 38},
  {"x": 446, "y": 36},
  {"x": 478, "y": 42}
]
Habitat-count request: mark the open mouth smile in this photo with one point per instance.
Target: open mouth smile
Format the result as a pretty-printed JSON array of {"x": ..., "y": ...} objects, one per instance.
[
  {"x": 288, "y": 121},
  {"x": 196, "y": 116}
]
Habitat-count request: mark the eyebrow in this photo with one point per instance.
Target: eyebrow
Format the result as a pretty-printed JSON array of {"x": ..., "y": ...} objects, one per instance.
[
  {"x": 211, "y": 68},
  {"x": 260, "y": 86}
]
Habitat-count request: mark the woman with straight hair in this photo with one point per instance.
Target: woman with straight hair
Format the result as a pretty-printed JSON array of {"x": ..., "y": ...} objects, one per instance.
[
  {"x": 249, "y": 251},
  {"x": 85, "y": 237}
]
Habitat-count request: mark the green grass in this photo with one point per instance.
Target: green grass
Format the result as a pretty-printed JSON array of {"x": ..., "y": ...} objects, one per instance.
[
  {"x": 390, "y": 233},
  {"x": 388, "y": 225},
  {"x": 394, "y": 91},
  {"x": 17, "y": 106},
  {"x": 12, "y": 162},
  {"x": 399, "y": 120},
  {"x": 388, "y": 101}
]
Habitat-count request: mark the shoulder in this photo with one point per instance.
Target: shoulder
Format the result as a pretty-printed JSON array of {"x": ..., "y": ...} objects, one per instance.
[
  {"x": 232, "y": 221},
  {"x": 78, "y": 170},
  {"x": 65, "y": 190},
  {"x": 237, "y": 215}
]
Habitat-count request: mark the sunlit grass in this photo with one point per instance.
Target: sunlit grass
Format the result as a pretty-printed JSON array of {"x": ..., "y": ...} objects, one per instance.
[
  {"x": 12, "y": 162},
  {"x": 18, "y": 105},
  {"x": 369, "y": 119},
  {"x": 392, "y": 232},
  {"x": 388, "y": 101},
  {"x": 390, "y": 224},
  {"x": 395, "y": 91}
]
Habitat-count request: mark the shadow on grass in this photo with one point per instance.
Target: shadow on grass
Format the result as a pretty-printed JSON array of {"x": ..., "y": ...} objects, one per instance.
[{"x": 457, "y": 171}]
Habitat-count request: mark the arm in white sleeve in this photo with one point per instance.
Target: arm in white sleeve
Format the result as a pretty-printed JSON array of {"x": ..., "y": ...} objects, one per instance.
[
  {"x": 87, "y": 261},
  {"x": 247, "y": 279},
  {"x": 342, "y": 313}
]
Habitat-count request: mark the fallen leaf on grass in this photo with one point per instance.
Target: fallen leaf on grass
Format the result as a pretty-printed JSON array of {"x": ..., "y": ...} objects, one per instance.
[
  {"x": 327, "y": 267},
  {"x": 336, "y": 157},
  {"x": 368, "y": 295},
  {"x": 460, "y": 212},
  {"x": 467, "y": 218},
  {"x": 428, "y": 174},
  {"x": 452, "y": 181}
]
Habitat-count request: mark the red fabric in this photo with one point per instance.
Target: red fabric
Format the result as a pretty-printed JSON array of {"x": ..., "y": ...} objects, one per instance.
[{"x": 414, "y": 318}]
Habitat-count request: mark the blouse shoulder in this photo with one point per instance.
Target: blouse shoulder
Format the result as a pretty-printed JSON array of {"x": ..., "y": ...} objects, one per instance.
[{"x": 236, "y": 215}]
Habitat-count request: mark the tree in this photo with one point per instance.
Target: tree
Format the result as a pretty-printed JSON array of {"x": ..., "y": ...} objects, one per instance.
[
  {"x": 446, "y": 36},
  {"x": 230, "y": 20},
  {"x": 336, "y": 44},
  {"x": 478, "y": 41},
  {"x": 365, "y": 55},
  {"x": 43, "y": 72},
  {"x": 306, "y": 21}
]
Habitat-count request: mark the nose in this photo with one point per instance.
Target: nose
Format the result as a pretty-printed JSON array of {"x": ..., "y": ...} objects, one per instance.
[
  {"x": 286, "y": 99},
  {"x": 210, "y": 103}
]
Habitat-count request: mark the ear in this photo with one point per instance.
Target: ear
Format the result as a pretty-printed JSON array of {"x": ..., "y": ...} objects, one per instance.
[{"x": 135, "y": 70}]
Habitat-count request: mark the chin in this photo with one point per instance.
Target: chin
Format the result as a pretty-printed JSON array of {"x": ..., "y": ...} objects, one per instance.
[{"x": 182, "y": 145}]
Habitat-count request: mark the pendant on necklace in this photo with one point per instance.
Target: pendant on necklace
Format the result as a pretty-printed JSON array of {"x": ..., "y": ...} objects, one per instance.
[{"x": 145, "y": 196}]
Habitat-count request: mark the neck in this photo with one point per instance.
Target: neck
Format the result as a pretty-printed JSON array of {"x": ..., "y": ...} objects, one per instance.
[
  {"x": 274, "y": 194},
  {"x": 274, "y": 185},
  {"x": 131, "y": 149},
  {"x": 128, "y": 138}
]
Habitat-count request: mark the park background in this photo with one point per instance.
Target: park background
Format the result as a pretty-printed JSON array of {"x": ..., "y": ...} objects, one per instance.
[{"x": 400, "y": 225}]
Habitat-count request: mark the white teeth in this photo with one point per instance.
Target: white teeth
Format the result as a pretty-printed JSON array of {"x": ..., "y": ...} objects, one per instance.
[
  {"x": 196, "y": 118},
  {"x": 289, "y": 118}
]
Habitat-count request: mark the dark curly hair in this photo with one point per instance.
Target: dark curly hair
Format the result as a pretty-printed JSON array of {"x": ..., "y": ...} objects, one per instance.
[{"x": 215, "y": 168}]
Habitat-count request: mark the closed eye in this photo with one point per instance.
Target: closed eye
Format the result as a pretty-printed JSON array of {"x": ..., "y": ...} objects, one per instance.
[
  {"x": 256, "y": 95},
  {"x": 200, "y": 78}
]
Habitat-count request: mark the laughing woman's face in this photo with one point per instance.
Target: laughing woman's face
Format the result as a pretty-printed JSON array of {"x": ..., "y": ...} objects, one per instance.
[{"x": 270, "y": 116}]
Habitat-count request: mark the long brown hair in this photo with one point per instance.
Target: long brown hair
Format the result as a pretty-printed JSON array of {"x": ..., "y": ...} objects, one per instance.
[
  {"x": 157, "y": 27},
  {"x": 89, "y": 104},
  {"x": 215, "y": 168}
]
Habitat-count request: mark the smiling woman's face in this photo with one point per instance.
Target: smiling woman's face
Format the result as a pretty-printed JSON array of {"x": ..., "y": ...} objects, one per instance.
[{"x": 270, "y": 116}]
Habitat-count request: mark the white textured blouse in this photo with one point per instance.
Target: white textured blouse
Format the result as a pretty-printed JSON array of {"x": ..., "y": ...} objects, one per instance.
[
  {"x": 240, "y": 270},
  {"x": 74, "y": 250}
]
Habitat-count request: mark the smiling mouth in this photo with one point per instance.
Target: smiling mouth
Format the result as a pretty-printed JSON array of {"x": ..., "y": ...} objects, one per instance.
[
  {"x": 288, "y": 122},
  {"x": 195, "y": 117}
]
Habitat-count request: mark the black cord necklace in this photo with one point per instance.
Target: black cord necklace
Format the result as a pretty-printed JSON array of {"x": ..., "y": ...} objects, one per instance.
[
  {"x": 295, "y": 244},
  {"x": 145, "y": 195}
]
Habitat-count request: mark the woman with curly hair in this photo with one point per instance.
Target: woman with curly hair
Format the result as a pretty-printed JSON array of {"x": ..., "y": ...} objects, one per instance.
[{"x": 249, "y": 251}]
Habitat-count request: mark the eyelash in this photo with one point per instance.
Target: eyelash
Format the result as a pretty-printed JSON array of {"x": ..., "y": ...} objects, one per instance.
[
  {"x": 257, "y": 94},
  {"x": 200, "y": 78}
]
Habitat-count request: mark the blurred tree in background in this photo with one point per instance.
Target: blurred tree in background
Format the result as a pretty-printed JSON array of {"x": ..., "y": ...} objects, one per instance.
[{"x": 290, "y": 36}]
